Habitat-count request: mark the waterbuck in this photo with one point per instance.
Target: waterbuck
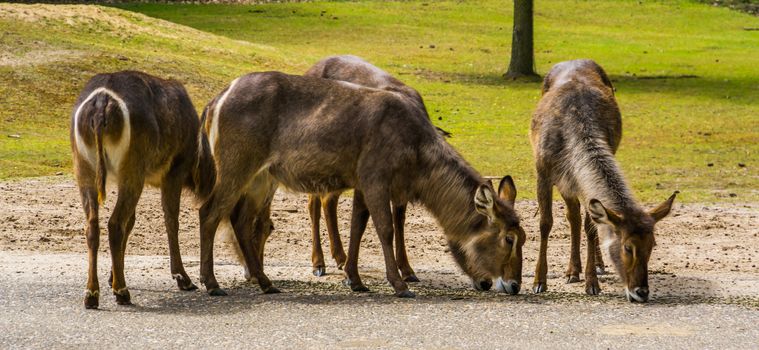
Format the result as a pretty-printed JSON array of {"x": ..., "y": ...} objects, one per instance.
[
  {"x": 132, "y": 128},
  {"x": 575, "y": 133},
  {"x": 355, "y": 70},
  {"x": 318, "y": 135}
]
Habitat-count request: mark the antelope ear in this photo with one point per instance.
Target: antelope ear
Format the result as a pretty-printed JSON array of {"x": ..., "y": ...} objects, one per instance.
[
  {"x": 507, "y": 191},
  {"x": 663, "y": 209},
  {"x": 601, "y": 215},
  {"x": 483, "y": 202}
]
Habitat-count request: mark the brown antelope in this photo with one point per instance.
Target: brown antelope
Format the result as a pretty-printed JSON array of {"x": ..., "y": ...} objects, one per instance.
[
  {"x": 320, "y": 136},
  {"x": 133, "y": 128},
  {"x": 358, "y": 71},
  {"x": 575, "y": 133}
]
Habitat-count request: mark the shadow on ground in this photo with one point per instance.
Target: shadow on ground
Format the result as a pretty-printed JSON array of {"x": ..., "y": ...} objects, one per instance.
[{"x": 671, "y": 290}]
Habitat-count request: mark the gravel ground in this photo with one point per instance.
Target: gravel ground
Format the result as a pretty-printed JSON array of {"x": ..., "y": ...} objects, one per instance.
[{"x": 704, "y": 282}]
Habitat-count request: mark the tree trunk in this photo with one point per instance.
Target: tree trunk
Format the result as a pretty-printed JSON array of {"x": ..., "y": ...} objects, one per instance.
[{"x": 522, "y": 57}]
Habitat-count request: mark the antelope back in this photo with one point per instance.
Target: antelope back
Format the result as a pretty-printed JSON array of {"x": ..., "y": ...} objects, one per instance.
[{"x": 358, "y": 71}]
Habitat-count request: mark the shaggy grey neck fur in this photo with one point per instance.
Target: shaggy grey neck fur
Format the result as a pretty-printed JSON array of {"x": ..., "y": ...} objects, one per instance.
[
  {"x": 591, "y": 164},
  {"x": 447, "y": 189}
]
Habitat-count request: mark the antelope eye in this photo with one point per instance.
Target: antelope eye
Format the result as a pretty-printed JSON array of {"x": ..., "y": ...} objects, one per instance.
[
  {"x": 628, "y": 248},
  {"x": 509, "y": 240}
]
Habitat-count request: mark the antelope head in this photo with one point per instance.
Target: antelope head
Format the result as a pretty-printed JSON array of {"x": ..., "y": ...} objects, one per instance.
[
  {"x": 629, "y": 239},
  {"x": 495, "y": 251}
]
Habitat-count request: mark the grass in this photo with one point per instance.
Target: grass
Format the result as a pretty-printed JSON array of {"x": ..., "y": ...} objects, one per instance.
[
  {"x": 49, "y": 52},
  {"x": 686, "y": 76}
]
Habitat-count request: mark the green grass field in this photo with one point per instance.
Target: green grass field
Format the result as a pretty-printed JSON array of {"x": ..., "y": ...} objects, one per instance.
[{"x": 687, "y": 74}]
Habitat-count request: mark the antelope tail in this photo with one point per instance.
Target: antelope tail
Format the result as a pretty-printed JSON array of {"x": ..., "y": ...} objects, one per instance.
[
  {"x": 204, "y": 172},
  {"x": 100, "y": 173}
]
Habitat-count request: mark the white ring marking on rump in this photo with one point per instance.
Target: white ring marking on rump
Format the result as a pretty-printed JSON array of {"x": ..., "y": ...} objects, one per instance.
[
  {"x": 115, "y": 150},
  {"x": 214, "y": 132}
]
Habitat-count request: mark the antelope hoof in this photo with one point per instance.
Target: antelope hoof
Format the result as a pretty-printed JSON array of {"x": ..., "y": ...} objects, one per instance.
[
  {"x": 319, "y": 271},
  {"x": 405, "y": 294},
  {"x": 91, "y": 299},
  {"x": 539, "y": 287},
  {"x": 359, "y": 288},
  {"x": 592, "y": 288},
  {"x": 91, "y": 303},
  {"x": 573, "y": 279},
  {"x": 217, "y": 292},
  {"x": 122, "y": 296},
  {"x": 187, "y": 287},
  {"x": 184, "y": 283},
  {"x": 356, "y": 287},
  {"x": 600, "y": 270},
  {"x": 411, "y": 278},
  {"x": 272, "y": 290}
]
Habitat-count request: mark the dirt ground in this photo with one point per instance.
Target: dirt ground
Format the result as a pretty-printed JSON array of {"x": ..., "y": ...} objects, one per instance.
[
  {"x": 710, "y": 250},
  {"x": 706, "y": 257}
]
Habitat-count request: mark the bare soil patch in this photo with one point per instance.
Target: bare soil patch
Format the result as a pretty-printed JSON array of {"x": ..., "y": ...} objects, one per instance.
[{"x": 705, "y": 252}]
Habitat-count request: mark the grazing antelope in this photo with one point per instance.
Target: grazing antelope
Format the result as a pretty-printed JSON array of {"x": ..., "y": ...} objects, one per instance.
[
  {"x": 320, "y": 136},
  {"x": 575, "y": 133},
  {"x": 133, "y": 128},
  {"x": 355, "y": 70}
]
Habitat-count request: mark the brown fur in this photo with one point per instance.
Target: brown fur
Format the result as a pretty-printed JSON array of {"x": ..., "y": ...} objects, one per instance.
[
  {"x": 575, "y": 132},
  {"x": 159, "y": 148},
  {"x": 319, "y": 136},
  {"x": 358, "y": 71}
]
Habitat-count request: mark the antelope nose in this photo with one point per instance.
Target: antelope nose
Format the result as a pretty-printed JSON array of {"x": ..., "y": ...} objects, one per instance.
[
  {"x": 486, "y": 284},
  {"x": 482, "y": 285},
  {"x": 514, "y": 290},
  {"x": 642, "y": 293},
  {"x": 510, "y": 286}
]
